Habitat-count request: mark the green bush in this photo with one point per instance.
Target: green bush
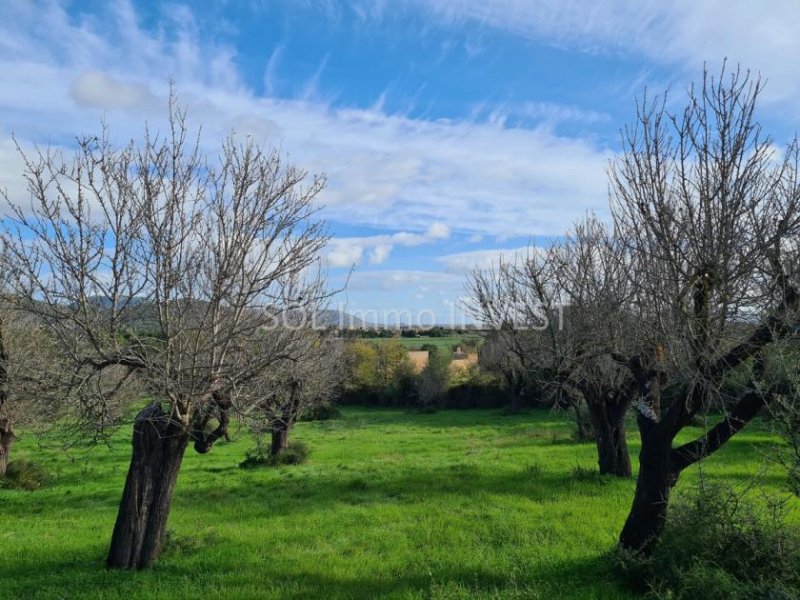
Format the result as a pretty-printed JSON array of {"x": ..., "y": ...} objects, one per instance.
[
  {"x": 719, "y": 545},
  {"x": 24, "y": 475},
  {"x": 321, "y": 412},
  {"x": 295, "y": 453}
]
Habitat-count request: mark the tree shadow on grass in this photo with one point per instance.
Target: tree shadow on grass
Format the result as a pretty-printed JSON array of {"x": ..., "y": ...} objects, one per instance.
[
  {"x": 86, "y": 577},
  {"x": 309, "y": 491}
]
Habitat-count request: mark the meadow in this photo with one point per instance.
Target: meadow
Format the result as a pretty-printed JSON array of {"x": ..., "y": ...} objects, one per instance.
[
  {"x": 391, "y": 504},
  {"x": 417, "y": 343}
]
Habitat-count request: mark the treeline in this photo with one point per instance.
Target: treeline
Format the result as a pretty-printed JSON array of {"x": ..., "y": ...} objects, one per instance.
[
  {"x": 382, "y": 374},
  {"x": 369, "y": 332}
]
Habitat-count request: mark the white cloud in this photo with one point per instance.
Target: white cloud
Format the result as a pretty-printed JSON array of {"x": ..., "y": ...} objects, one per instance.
[
  {"x": 545, "y": 114},
  {"x": 416, "y": 296},
  {"x": 381, "y": 245},
  {"x": 271, "y": 70},
  {"x": 464, "y": 262},
  {"x": 429, "y": 282},
  {"x": 438, "y": 231},
  {"x": 61, "y": 77},
  {"x": 11, "y": 164},
  {"x": 380, "y": 253},
  {"x": 345, "y": 255},
  {"x": 685, "y": 33},
  {"x": 100, "y": 90}
]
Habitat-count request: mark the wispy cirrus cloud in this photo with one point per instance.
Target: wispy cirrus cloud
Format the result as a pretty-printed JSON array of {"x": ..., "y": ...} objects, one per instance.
[
  {"x": 473, "y": 176},
  {"x": 681, "y": 33}
]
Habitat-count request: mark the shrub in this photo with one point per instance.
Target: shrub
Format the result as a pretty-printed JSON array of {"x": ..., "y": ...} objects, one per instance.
[
  {"x": 295, "y": 453},
  {"x": 321, "y": 412},
  {"x": 433, "y": 380},
  {"x": 719, "y": 545},
  {"x": 24, "y": 475}
]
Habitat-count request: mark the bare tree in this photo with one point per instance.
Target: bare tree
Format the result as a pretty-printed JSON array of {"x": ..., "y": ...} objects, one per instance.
[
  {"x": 173, "y": 268},
  {"x": 434, "y": 378},
  {"x": 591, "y": 270},
  {"x": 311, "y": 379},
  {"x": 496, "y": 355},
  {"x": 712, "y": 210},
  {"x": 27, "y": 356},
  {"x": 561, "y": 313},
  {"x": 26, "y": 359}
]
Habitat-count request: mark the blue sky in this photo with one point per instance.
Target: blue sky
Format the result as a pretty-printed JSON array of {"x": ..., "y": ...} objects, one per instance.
[{"x": 452, "y": 132}]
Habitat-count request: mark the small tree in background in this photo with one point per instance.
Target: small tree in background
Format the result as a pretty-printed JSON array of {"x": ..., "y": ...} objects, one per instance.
[
  {"x": 560, "y": 313},
  {"x": 377, "y": 372},
  {"x": 310, "y": 380},
  {"x": 433, "y": 380},
  {"x": 27, "y": 359},
  {"x": 495, "y": 356}
]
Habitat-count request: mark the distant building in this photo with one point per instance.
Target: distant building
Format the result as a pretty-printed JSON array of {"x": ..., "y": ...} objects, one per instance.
[{"x": 459, "y": 354}]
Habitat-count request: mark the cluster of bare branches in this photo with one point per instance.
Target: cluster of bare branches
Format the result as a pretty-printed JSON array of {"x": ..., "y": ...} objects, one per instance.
[
  {"x": 712, "y": 210},
  {"x": 27, "y": 358},
  {"x": 309, "y": 381},
  {"x": 157, "y": 270},
  {"x": 678, "y": 305},
  {"x": 559, "y": 315}
]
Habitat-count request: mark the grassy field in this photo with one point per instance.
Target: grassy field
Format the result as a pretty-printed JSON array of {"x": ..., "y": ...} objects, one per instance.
[
  {"x": 417, "y": 342},
  {"x": 457, "y": 504}
]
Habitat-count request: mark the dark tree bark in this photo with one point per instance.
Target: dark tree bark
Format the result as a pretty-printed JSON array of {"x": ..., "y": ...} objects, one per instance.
[
  {"x": 282, "y": 426},
  {"x": 158, "y": 448},
  {"x": 280, "y": 436},
  {"x": 608, "y": 422},
  {"x": 517, "y": 403},
  {"x": 583, "y": 423},
  {"x": 515, "y": 390},
  {"x": 657, "y": 477},
  {"x": 7, "y": 438}
]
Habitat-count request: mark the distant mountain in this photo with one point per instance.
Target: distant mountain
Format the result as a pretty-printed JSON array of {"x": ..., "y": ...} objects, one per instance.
[{"x": 142, "y": 315}]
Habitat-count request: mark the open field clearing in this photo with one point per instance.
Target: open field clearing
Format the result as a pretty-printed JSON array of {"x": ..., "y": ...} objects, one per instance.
[
  {"x": 418, "y": 342},
  {"x": 394, "y": 504}
]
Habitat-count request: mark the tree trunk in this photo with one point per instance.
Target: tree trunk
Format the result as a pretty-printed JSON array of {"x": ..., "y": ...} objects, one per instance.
[
  {"x": 583, "y": 423},
  {"x": 656, "y": 479},
  {"x": 608, "y": 422},
  {"x": 280, "y": 437},
  {"x": 158, "y": 448},
  {"x": 7, "y": 438}
]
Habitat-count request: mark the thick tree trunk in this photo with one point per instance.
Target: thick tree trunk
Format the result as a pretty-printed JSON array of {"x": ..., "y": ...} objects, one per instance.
[
  {"x": 280, "y": 438},
  {"x": 158, "y": 449},
  {"x": 7, "y": 438},
  {"x": 608, "y": 422},
  {"x": 657, "y": 477}
]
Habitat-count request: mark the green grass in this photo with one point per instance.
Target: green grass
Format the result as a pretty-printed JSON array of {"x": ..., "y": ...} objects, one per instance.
[
  {"x": 417, "y": 342},
  {"x": 457, "y": 504}
]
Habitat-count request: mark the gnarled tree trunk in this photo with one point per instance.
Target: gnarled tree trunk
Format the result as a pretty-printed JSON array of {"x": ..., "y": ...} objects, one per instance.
[
  {"x": 282, "y": 426},
  {"x": 280, "y": 436},
  {"x": 158, "y": 448},
  {"x": 657, "y": 477},
  {"x": 608, "y": 422},
  {"x": 7, "y": 438}
]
